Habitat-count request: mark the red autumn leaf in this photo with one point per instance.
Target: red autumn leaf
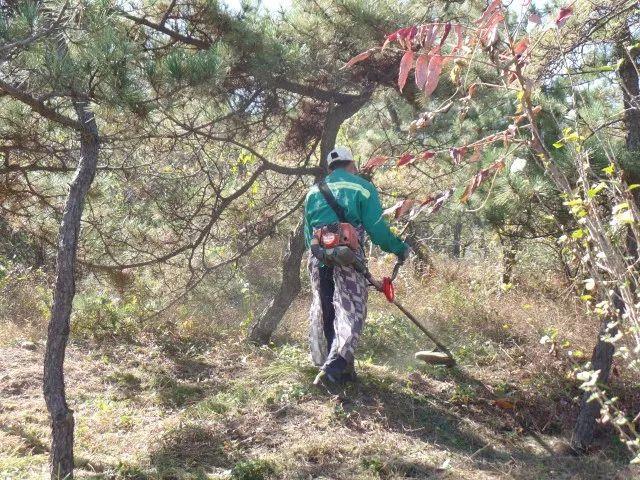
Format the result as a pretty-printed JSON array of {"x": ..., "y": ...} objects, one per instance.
[
  {"x": 421, "y": 70},
  {"x": 393, "y": 208},
  {"x": 405, "y": 67},
  {"x": 431, "y": 35},
  {"x": 563, "y": 15},
  {"x": 375, "y": 162},
  {"x": 392, "y": 37},
  {"x": 358, "y": 58},
  {"x": 404, "y": 208},
  {"x": 520, "y": 47},
  {"x": 433, "y": 74},
  {"x": 460, "y": 35},
  {"x": 490, "y": 31},
  {"x": 404, "y": 33},
  {"x": 437, "y": 200},
  {"x": 406, "y": 159},
  {"x": 535, "y": 18},
  {"x": 473, "y": 185},
  {"x": 489, "y": 11},
  {"x": 445, "y": 34},
  {"x": 457, "y": 153},
  {"x": 426, "y": 155}
]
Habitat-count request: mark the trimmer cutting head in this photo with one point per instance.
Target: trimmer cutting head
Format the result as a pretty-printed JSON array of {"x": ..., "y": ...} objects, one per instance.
[{"x": 435, "y": 358}]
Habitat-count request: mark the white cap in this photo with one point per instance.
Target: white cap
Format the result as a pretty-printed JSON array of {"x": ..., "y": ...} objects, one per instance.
[{"x": 339, "y": 154}]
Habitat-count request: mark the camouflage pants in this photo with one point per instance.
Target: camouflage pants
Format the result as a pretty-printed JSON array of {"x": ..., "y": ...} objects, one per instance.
[{"x": 337, "y": 315}]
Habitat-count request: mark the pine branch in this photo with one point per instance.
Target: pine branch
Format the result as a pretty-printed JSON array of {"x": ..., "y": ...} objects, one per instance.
[{"x": 39, "y": 107}]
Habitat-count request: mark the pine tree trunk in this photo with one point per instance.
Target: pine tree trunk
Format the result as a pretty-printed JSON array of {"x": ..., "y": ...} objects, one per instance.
[
  {"x": 630, "y": 86},
  {"x": 264, "y": 327},
  {"x": 601, "y": 359},
  {"x": 456, "y": 246},
  {"x": 62, "y": 423}
]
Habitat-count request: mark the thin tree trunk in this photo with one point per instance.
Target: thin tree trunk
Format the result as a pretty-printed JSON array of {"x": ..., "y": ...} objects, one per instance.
[
  {"x": 456, "y": 246},
  {"x": 601, "y": 359},
  {"x": 264, "y": 327},
  {"x": 62, "y": 423},
  {"x": 262, "y": 330},
  {"x": 421, "y": 251},
  {"x": 630, "y": 86}
]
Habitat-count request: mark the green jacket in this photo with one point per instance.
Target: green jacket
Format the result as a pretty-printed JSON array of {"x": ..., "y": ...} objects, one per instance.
[{"x": 361, "y": 203}]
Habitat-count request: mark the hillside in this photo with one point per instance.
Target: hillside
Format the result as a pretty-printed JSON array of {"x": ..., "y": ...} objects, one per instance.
[{"x": 192, "y": 404}]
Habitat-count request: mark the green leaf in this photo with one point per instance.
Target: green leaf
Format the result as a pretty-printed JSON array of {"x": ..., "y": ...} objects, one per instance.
[
  {"x": 620, "y": 207},
  {"x": 596, "y": 190},
  {"x": 577, "y": 234},
  {"x": 558, "y": 144},
  {"x": 610, "y": 169}
]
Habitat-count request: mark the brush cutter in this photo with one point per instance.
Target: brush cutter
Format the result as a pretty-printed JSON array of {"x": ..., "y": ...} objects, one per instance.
[
  {"x": 345, "y": 256},
  {"x": 440, "y": 356}
]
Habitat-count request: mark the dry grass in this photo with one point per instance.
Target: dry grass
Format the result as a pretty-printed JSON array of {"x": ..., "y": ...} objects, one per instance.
[{"x": 181, "y": 407}]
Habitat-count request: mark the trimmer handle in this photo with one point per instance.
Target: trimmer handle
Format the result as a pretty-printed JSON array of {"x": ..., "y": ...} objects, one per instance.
[{"x": 396, "y": 269}]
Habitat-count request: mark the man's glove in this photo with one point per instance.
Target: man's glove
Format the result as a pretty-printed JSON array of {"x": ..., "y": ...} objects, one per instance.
[{"x": 402, "y": 256}]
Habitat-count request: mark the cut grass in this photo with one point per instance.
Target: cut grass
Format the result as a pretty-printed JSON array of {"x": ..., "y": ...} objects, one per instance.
[{"x": 196, "y": 407}]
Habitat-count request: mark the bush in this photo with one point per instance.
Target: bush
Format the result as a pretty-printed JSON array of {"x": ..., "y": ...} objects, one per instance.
[{"x": 103, "y": 316}]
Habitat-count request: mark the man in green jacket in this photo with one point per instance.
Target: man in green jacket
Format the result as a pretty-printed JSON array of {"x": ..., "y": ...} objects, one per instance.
[{"x": 339, "y": 305}]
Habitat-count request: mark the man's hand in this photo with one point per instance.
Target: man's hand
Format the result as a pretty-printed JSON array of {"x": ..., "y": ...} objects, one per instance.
[{"x": 403, "y": 255}]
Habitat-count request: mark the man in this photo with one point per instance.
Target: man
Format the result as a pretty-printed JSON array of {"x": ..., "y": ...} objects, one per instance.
[{"x": 339, "y": 305}]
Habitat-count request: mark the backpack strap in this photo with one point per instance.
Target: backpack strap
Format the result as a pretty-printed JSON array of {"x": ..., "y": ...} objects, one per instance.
[{"x": 331, "y": 200}]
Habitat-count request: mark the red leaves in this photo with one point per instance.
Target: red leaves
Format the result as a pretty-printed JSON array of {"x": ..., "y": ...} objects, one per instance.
[
  {"x": 421, "y": 70},
  {"x": 520, "y": 47},
  {"x": 445, "y": 34},
  {"x": 421, "y": 38},
  {"x": 563, "y": 15},
  {"x": 493, "y": 7},
  {"x": 405, "y": 66},
  {"x": 404, "y": 207},
  {"x": 375, "y": 162},
  {"x": 400, "y": 208},
  {"x": 433, "y": 73},
  {"x": 358, "y": 58},
  {"x": 479, "y": 179},
  {"x": 406, "y": 159},
  {"x": 404, "y": 35},
  {"x": 457, "y": 153},
  {"x": 426, "y": 155}
]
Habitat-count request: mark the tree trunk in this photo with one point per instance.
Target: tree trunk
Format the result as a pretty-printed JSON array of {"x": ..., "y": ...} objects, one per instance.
[
  {"x": 456, "y": 246},
  {"x": 62, "y": 423},
  {"x": 421, "y": 251},
  {"x": 601, "y": 359},
  {"x": 264, "y": 327},
  {"x": 262, "y": 330},
  {"x": 630, "y": 86}
]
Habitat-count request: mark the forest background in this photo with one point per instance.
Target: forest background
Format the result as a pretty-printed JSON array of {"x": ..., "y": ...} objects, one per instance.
[{"x": 155, "y": 159}]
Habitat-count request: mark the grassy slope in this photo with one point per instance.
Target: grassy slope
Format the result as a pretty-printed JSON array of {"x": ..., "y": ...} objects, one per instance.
[{"x": 180, "y": 408}]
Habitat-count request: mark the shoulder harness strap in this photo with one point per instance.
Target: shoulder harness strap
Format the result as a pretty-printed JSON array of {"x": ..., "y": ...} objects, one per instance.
[{"x": 331, "y": 200}]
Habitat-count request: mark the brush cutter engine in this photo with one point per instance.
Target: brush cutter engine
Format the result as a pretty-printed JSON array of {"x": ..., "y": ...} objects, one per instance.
[{"x": 337, "y": 244}]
